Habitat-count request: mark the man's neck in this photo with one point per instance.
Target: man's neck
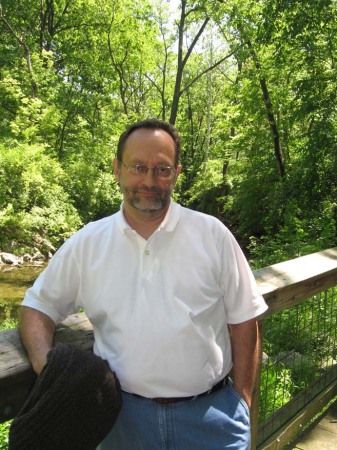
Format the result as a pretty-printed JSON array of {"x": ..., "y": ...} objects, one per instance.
[{"x": 144, "y": 223}]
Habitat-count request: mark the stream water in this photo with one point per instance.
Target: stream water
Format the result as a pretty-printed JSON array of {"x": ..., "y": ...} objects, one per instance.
[{"x": 14, "y": 281}]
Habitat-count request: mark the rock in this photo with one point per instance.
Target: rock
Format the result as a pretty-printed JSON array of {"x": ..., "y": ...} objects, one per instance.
[
  {"x": 44, "y": 246},
  {"x": 265, "y": 358},
  {"x": 37, "y": 256},
  {"x": 334, "y": 353},
  {"x": 36, "y": 259},
  {"x": 293, "y": 360},
  {"x": 327, "y": 363},
  {"x": 9, "y": 258},
  {"x": 38, "y": 263}
]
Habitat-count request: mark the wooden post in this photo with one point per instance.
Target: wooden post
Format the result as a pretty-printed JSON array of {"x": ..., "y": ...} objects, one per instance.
[{"x": 254, "y": 411}]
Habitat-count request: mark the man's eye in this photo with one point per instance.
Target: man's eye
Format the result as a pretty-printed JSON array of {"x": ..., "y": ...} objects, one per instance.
[
  {"x": 140, "y": 168},
  {"x": 163, "y": 170}
]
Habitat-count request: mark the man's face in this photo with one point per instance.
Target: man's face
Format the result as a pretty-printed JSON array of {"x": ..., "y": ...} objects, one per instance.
[{"x": 151, "y": 148}]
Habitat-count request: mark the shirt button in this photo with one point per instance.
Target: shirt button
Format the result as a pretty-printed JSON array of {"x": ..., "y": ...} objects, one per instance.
[{"x": 147, "y": 252}]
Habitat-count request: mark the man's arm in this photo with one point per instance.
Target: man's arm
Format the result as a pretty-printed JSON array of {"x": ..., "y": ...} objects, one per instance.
[
  {"x": 37, "y": 334},
  {"x": 245, "y": 352}
]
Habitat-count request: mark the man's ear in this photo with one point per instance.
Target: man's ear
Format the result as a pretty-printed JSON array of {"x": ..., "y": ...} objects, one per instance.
[
  {"x": 115, "y": 166},
  {"x": 178, "y": 171}
]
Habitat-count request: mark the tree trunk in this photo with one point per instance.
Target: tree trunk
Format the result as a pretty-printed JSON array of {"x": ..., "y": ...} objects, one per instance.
[
  {"x": 270, "y": 114},
  {"x": 182, "y": 60},
  {"x": 26, "y": 50}
]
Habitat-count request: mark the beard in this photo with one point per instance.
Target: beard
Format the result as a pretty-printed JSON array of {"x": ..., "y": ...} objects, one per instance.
[{"x": 157, "y": 198}]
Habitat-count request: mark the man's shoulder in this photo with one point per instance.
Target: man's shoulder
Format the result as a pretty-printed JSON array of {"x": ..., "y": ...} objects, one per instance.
[
  {"x": 203, "y": 218},
  {"x": 104, "y": 221},
  {"x": 100, "y": 226},
  {"x": 197, "y": 223},
  {"x": 94, "y": 234}
]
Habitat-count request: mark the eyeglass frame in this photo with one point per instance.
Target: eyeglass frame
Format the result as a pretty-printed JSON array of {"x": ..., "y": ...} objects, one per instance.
[{"x": 154, "y": 170}]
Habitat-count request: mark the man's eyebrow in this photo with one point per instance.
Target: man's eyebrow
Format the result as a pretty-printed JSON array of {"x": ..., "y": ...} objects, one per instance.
[{"x": 138, "y": 161}]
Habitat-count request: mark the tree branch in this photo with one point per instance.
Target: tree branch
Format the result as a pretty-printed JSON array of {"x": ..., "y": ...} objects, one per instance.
[
  {"x": 19, "y": 40},
  {"x": 213, "y": 66},
  {"x": 195, "y": 40}
]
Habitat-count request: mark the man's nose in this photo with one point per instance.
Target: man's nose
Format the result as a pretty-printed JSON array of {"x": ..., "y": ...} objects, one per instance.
[{"x": 149, "y": 178}]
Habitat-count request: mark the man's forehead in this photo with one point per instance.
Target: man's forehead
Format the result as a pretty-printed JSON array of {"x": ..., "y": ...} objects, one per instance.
[
  {"x": 144, "y": 138},
  {"x": 149, "y": 133}
]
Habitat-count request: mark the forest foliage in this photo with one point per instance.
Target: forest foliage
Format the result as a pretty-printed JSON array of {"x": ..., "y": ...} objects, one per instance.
[{"x": 250, "y": 85}]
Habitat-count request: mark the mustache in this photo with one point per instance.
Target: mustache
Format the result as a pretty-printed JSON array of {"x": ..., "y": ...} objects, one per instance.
[{"x": 154, "y": 189}]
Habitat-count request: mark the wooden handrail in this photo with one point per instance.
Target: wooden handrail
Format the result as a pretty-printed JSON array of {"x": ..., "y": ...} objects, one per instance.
[
  {"x": 288, "y": 283},
  {"x": 16, "y": 374},
  {"x": 283, "y": 285}
]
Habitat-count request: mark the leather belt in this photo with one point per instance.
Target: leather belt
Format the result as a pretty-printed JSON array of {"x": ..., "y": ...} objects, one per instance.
[{"x": 166, "y": 401}]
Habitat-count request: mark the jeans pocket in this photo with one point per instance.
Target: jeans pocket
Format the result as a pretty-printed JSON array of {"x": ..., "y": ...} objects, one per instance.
[{"x": 242, "y": 401}]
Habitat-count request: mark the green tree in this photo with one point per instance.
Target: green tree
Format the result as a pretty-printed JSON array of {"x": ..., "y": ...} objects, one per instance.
[
  {"x": 35, "y": 209},
  {"x": 250, "y": 85}
]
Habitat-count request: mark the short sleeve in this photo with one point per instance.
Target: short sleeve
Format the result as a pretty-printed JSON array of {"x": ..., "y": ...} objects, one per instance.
[
  {"x": 55, "y": 291},
  {"x": 242, "y": 300}
]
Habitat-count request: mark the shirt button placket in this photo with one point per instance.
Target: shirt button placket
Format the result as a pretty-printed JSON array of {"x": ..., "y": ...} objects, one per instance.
[{"x": 146, "y": 263}]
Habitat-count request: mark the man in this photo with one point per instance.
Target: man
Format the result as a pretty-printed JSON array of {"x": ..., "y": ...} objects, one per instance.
[{"x": 172, "y": 301}]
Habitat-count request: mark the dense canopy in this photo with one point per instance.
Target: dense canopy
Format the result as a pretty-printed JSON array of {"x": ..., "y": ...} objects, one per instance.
[{"x": 250, "y": 85}]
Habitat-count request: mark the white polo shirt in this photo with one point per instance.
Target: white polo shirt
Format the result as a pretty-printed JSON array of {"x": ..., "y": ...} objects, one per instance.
[{"x": 160, "y": 307}]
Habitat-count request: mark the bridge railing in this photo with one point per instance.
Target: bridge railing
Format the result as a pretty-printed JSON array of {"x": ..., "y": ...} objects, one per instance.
[
  {"x": 298, "y": 374},
  {"x": 298, "y": 371}
]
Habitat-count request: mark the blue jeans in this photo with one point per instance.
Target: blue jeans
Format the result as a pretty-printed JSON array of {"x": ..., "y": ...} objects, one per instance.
[{"x": 216, "y": 421}]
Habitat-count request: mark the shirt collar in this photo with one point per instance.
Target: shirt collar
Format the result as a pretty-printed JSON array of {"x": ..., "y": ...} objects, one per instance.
[
  {"x": 168, "y": 224},
  {"x": 171, "y": 218}
]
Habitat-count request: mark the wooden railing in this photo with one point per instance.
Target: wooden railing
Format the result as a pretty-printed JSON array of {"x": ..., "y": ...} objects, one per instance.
[{"x": 283, "y": 286}]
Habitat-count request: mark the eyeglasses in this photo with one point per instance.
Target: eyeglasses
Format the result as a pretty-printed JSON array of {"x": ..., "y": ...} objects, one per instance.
[{"x": 161, "y": 172}]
